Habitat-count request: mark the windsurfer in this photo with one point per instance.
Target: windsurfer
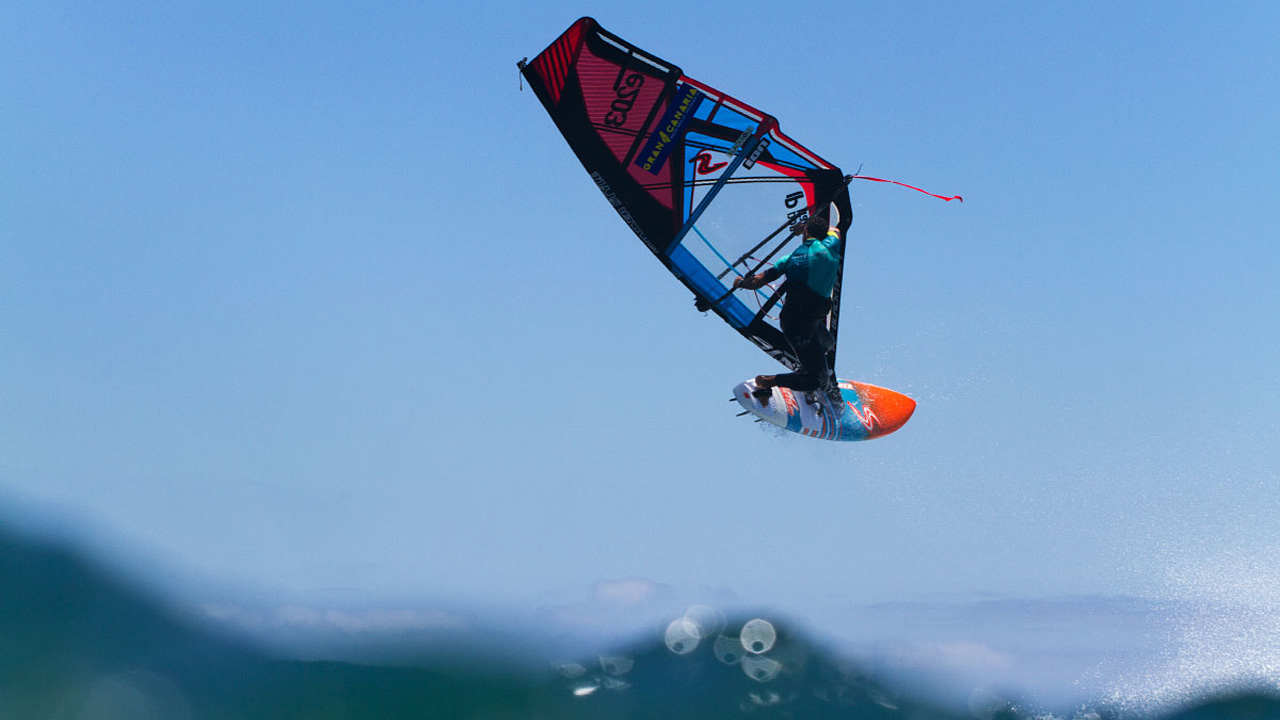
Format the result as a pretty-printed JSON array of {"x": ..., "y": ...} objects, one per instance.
[{"x": 810, "y": 271}]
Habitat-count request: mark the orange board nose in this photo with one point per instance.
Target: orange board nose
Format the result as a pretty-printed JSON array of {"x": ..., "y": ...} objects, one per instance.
[{"x": 892, "y": 409}]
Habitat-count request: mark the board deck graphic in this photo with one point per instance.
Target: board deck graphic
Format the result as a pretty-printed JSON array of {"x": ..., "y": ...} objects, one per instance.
[{"x": 867, "y": 412}]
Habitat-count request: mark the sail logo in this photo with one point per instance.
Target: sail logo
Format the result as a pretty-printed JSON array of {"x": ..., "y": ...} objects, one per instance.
[
  {"x": 623, "y": 212},
  {"x": 703, "y": 165},
  {"x": 625, "y": 89},
  {"x": 789, "y": 399},
  {"x": 866, "y": 417},
  {"x": 795, "y": 216},
  {"x": 670, "y": 128},
  {"x": 755, "y": 154}
]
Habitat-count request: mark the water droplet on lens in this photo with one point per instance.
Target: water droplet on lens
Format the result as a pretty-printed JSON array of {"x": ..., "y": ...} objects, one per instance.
[
  {"x": 758, "y": 636},
  {"x": 728, "y": 650},
  {"x": 616, "y": 664},
  {"x": 682, "y": 636},
  {"x": 616, "y": 685},
  {"x": 571, "y": 670},
  {"x": 761, "y": 669},
  {"x": 709, "y": 620}
]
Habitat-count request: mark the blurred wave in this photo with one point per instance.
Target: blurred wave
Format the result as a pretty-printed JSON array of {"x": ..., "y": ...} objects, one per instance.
[{"x": 75, "y": 643}]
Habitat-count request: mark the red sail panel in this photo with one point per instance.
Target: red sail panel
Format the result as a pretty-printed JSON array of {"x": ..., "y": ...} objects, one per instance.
[
  {"x": 618, "y": 101},
  {"x": 554, "y": 63}
]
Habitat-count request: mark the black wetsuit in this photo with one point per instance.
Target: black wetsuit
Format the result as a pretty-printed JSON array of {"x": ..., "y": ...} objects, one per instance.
[
  {"x": 804, "y": 324},
  {"x": 811, "y": 271}
]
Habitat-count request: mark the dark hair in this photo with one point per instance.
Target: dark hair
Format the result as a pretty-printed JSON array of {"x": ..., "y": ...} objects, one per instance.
[{"x": 816, "y": 227}]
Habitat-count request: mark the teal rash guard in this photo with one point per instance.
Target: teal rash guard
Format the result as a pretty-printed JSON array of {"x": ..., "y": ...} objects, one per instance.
[{"x": 813, "y": 264}]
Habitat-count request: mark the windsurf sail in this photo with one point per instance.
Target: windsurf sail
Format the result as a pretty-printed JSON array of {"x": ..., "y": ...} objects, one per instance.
[{"x": 709, "y": 184}]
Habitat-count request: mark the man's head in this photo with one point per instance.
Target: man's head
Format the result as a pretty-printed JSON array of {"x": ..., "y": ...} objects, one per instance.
[{"x": 816, "y": 226}]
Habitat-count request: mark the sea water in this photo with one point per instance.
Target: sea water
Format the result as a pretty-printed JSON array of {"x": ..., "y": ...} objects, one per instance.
[{"x": 77, "y": 644}]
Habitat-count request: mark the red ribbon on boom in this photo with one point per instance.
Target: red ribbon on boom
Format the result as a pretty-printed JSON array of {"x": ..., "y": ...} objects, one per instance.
[{"x": 913, "y": 187}]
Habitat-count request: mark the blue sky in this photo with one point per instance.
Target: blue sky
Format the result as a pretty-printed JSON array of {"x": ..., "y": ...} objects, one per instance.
[{"x": 312, "y": 303}]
